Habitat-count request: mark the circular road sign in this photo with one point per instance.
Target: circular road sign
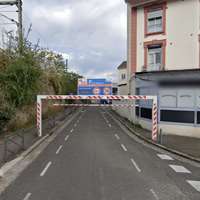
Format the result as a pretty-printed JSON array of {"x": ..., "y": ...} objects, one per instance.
[
  {"x": 106, "y": 91},
  {"x": 96, "y": 91}
]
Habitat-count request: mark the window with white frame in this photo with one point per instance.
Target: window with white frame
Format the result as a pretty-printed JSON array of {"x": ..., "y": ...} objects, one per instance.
[
  {"x": 155, "y": 21},
  {"x": 154, "y": 57}
]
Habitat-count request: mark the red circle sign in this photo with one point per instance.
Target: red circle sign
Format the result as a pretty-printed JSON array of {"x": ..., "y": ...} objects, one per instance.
[
  {"x": 96, "y": 91},
  {"x": 106, "y": 91}
]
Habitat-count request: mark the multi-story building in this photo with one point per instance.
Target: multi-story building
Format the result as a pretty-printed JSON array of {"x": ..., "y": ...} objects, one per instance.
[
  {"x": 164, "y": 60},
  {"x": 122, "y": 79}
]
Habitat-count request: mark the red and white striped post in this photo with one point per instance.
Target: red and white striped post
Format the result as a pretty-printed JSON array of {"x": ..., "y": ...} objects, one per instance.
[
  {"x": 99, "y": 97},
  {"x": 39, "y": 115},
  {"x": 155, "y": 119}
]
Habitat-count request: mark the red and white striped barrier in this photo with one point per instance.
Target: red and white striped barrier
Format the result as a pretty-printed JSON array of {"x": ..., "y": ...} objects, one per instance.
[
  {"x": 95, "y": 97},
  {"x": 99, "y": 97},
  {"x": 96, "y": 105}
]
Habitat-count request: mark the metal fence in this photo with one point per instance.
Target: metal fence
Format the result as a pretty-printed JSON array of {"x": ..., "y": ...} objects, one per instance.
[{"x": 13, "y": 144}]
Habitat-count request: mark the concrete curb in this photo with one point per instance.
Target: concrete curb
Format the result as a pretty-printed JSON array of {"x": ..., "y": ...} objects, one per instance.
[
  {"x": 54, "y": 132},
  {"x": 191, "y": 158}
]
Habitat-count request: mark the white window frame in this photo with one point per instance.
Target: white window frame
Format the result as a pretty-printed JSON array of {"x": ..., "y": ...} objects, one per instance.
[
  {"x": 155, "y": 27},
  {"x": 154, "y": 66}
]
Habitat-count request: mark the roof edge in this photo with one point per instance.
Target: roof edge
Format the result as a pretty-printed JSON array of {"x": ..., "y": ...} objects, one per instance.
[{"x": 136, "y": 3}]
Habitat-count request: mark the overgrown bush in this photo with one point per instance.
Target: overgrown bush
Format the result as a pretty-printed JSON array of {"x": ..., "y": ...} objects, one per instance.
[
  {"x": 20, "y": 81},
  {"x": 22, "y": 77}
]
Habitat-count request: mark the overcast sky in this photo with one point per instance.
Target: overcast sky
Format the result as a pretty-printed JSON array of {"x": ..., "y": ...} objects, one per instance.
[{"x": 91, "y": 33}]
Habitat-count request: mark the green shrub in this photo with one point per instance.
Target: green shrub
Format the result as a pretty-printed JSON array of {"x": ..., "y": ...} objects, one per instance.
[{"x": 20, "y": 81}]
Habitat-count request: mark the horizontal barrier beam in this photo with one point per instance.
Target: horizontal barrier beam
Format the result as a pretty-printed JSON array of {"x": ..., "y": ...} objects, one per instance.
[
  {"x": 96, "y": 97},
  {"x": 96, "y": 105}
]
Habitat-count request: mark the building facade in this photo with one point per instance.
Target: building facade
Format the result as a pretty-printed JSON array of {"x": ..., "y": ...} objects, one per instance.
[
  {"x": 122, "y": 79},
  {"x": 164, "y": 60}
]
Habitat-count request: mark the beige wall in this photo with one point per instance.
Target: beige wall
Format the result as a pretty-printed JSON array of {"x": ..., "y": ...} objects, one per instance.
[
  {"x": 123, "y": 90},
  {"x": 182, "y": 29}
]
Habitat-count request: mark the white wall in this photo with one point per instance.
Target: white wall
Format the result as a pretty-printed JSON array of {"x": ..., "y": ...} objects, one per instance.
[
  {"x": 182, "y": 34},
  {"x": 128, "y": 41},
  {"x": 182, "y": 28},
  {"x": 173, "y": 129},
  {"x": 120, "y": 80}
]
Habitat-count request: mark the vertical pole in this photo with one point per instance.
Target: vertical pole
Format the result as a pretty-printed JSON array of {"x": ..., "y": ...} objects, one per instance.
[
  {"x": 155, "y": 119},
  {"x": 20, "y": 28},
  {"x": 39, "y": 116}
]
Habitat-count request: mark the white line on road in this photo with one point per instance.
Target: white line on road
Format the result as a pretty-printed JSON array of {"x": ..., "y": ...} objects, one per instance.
[
  {"x": 75, "y": 125},
  {"x": 71, "y": 130},
  {"x": 179, "y": 169},
  {"x": 59, "y": 148},
  {"x": 195, "y": 184},
  {"x": 154, "y": 194},
  {"x": 164, "y": 157},
  {"x": 27, "y": 196},
  {"x": 117, "y": 136},
  {"x": 123, "y": 147},
  {"x": 110, "y": 125},
  {"x": 45, "y": 169},
  {"x": 135, "y": 165},
  {"x": 67, "y": 137}
]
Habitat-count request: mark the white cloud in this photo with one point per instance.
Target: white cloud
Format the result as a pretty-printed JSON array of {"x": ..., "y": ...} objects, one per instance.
[
  {"x": 59, "y": 14},
  {"x": 90, "y": 33}
]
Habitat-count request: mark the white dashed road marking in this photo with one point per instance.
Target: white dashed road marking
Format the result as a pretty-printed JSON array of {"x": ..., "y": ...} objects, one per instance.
[
  {"x": 165, "y": 157},
  {"x": 154, "y": 194},
  {"x": 27, "y": 196},
  {"x": 195, "y": 184},
  {"x": 45, "y": 169},
  {"x": 109, "y": 125},
  {"x": 58, "y": 150},
  {"x": 179, "y": 169},
  {"x": 67, "y": 137},
  {"x": 117, "y": 136},
  {"x": 123, "y": 147},
  {"x": 135, "y": 165},
  {"x": 71, "y": 130},
  {"x": 75, "y": 125}
]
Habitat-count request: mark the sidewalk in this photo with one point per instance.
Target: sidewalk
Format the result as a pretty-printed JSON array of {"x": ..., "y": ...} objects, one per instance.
[{"x": 186, "y": 145}]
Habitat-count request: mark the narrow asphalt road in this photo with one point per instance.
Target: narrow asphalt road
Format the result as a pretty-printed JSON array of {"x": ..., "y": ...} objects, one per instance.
[{"x": 94, "y": 159}]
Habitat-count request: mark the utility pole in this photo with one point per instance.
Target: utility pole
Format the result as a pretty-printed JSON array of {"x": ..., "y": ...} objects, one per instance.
[
  {"x": 20, "y": 27},
  {"x": 3, "y": 38},
  {"x": 18, "y": 3}
]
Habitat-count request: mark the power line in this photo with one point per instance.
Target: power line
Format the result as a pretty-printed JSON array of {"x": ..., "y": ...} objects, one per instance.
[
  {"x": 10, "y": 19},
  {"x": 6, "y": 24},
  {"x": 8, "y": 11}
]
